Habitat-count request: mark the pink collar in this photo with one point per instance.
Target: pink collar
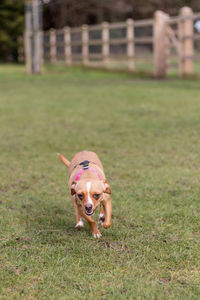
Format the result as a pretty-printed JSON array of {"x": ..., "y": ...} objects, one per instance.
[{"x": 80, "y": 172}]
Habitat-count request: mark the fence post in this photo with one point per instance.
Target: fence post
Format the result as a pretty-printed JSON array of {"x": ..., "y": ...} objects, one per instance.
[
  {"x": 168, "y": 53},
  {"x": 28, "y": 38},
  {"x": 130, "y": 43},
  {"x": 105, "y": 43},
  {"x": 42, "y": 48},
  {"x": 53, "y": 45},
  {"x": 85, "y": 39},
  {"x": 67, "y": 43},
  {"x": 160, "y": 43},
  {"x": 28, "y": 50},
  {"x": 186, "y": 31},
  {"x": 37, "y": 43}
]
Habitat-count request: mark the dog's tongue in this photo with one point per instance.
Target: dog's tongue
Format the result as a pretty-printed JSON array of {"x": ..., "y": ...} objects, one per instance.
[{"x": 89, "y": 214}]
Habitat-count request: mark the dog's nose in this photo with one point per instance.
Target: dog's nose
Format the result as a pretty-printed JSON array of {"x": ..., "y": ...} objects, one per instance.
[{"x": 88, "y": 207}]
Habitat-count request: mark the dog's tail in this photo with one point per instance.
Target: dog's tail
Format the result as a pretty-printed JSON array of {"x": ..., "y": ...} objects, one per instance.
[{"x": 64, "y": 160}]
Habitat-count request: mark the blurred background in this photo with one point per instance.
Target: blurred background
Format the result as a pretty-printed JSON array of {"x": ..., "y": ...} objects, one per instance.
[{"x": 60, "y": 13}]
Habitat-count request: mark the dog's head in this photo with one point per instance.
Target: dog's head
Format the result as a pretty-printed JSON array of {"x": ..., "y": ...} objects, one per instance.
[{"x": 89, "y": 193}]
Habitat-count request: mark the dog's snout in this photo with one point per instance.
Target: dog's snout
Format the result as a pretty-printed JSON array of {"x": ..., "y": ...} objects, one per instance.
[{"x": 88, "y": 207}]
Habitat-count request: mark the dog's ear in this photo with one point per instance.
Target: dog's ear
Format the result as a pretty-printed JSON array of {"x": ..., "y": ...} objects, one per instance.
[
  {"x": 73, "y": 188},
  {"x": 107, "y": 187}
]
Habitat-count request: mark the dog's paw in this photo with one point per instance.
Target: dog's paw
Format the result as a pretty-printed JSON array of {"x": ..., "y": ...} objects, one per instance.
[
  {"x": 101, "y": 219},
  {"x": 96, "y": 235},
  {"x": 79, "y": 225}
]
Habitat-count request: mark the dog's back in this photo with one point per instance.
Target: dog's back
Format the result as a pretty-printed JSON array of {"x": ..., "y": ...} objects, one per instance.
[{"x": 82, "y": 156}]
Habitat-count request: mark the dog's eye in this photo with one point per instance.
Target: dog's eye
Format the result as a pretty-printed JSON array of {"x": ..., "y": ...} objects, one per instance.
[
  {"x": 81, "y": 196},
  {"x": 96, "y": 196}
]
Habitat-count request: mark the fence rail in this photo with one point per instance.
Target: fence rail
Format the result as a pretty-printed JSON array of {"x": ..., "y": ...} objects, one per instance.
[
  {"x": 154, "y": 39},
  {"x": 114, "y": 40}
]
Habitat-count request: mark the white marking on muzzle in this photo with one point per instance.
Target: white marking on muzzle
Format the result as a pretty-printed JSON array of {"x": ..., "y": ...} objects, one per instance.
[{"x": 88, "y": 190}]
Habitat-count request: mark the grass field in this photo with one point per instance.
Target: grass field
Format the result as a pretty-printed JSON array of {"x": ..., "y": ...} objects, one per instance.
[{"x": 147, "y": 134}]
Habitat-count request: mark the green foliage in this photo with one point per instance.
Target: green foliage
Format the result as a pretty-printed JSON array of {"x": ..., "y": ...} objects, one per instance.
[
  {"x": 147, "y": 134},
  {"x": 11, "y": 27}
]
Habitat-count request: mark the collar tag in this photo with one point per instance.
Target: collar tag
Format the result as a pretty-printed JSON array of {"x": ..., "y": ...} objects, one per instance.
[{"x": 85, "y": 164}]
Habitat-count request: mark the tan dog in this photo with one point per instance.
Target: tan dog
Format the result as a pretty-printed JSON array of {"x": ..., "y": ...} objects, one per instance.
[{"x": 89, "y": 188}]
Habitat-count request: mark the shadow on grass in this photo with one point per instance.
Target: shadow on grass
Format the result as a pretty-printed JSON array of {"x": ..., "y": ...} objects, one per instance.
[{"x": 50, "y": 222}]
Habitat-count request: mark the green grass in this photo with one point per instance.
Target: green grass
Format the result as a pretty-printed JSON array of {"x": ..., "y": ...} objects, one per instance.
[{"x": 147, "y": 134}]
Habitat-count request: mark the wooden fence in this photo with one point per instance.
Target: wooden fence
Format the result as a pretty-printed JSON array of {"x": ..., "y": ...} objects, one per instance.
[
  {"x": 98, "y": 43},
  {"x": 176, "y": 37},
  {"x": 154, "y": 40}
]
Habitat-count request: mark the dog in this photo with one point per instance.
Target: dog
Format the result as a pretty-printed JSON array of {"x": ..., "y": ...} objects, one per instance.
[{"x": 89, "y": 188}]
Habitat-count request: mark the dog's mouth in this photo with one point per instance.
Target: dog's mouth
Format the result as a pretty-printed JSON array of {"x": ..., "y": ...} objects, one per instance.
[{"x": 89, "y": 213}]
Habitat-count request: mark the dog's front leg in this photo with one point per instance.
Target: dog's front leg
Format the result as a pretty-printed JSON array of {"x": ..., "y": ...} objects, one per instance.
[
  {"x": 101, "y": 215},
  {"x": 79, "y": 221},
  {"x": 108, "y": 211},
  {"x": 95, "y": 231}
]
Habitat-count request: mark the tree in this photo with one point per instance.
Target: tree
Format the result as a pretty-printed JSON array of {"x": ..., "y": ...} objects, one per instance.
[
  {"x": 59, "y": 13},
  {"x": 11, "y": 27}
]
